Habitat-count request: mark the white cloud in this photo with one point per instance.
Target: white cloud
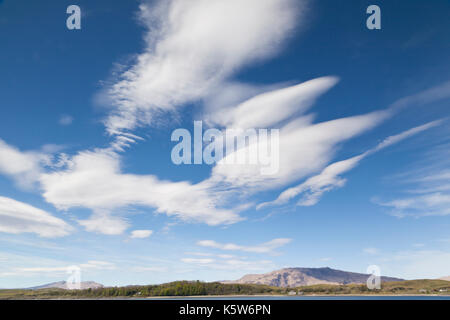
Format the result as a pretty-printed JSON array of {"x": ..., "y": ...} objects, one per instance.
[
  {"x": 200, "y": 254},
  {"x": 36, "y": 266},
  {"x": 266, "y": 247},
  {"x": 65, "y": 120},
  {"x": 443, "y": 175},
  {"x": 233, "y": 264},
  {"x": 225, "y": 256},
  {"x": 94, "y": 180},
  {"x": 371, "y": 251},
  {"x": 207, "y": 254},
  {"x": 97, "y": 265},
  {"x": 326, "y": 259},
  {"x": 230, "y": 264},
  {"x": 198, "y": 260},
  {"x": 103, "y": 222},
  {"x": 270, "y": 108},
  {"x": 417, "y": 264},
  {"x": 406, "y": 134},
  {"x": 91, "y": 265},
  {"x": 192, "y": 48},
  {"x": 150, "y": 269},
  {"x": 140, "y": 234},
  {"x": 430, "y": 95},
  {"x": 23, "y": 166},
  {"x": 432, "y": 204},
  {"x": 184, "y": 61},
  {"x": 18, "y": 217},
  {"x": 430, "y": 194},
  {"x": 330, "y": 178},
  {"x": 304, "y": 148},
  {"x": 114, "y": 190}
]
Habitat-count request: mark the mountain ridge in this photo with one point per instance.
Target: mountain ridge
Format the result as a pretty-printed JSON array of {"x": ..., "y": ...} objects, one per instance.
[
  {"x": 63, "y": 285},
  {"x": 294, "y": 277}
]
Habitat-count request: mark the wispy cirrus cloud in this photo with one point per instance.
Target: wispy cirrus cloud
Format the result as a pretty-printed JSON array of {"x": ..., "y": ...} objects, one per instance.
[
  {"x": 72, "y": 185},
  {"x": 194, "y": 47},
  {"x": 416, "y": 264},
  {"x": 265, "y": 247},
  {"x": 269, "y": 108},
  {"x": 330, "y": 178},
  {"x": 224, "y": 263},
  {"x": 18, "y": 217},
  {"x": 23, "y": 166},
  {"x": 198, "y": 260},
  {"x": 90, "y": 266},
  {"x": 65, "y": 120},
  {"x": 315, "y": 142},
  {"x": 428, "y": 187},
  {"x": 113, "y": 189},
  {"x": 431, "y": 204},
  {"x": 186, "y": 61},
  {"x": 141, "y": 234},
  {"x": 371, "y": 251},
  {"x": 104, "y": 222},
  {"x": 149, "y": 269},
  {"x": 23, "y": 265},
  {"x": 183, "y": 61}
]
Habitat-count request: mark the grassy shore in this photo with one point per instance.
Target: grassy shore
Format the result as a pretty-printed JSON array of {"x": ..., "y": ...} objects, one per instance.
[{"x": 201, "y": 289}]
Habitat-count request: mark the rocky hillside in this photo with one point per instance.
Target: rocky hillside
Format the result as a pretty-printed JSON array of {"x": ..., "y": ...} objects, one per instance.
[
  {"x": 63, "y": 285},
  {"x": 293, "y": 277}
]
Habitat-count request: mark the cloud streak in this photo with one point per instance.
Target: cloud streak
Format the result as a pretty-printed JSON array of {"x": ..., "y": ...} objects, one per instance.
[
  {"x": 18, "y": 217},
  {"x": 192, "y": 48},
  {"x": 94, "y": 180},
  {"x": 265, "y": 247},
  {"x": 330, "y": 178},
  {"x": 23, "y": 166},
  {"x": 141, "y": 234}
]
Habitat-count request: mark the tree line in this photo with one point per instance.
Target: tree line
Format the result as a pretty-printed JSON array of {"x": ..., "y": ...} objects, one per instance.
[{"x": 177, "y": 288}]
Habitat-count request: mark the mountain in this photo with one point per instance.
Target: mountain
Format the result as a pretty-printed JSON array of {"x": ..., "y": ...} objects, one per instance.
[
  {"x": 63, "y": 285},
  {"x": 445, "y": 278},
  {"x": 294, "y": 277}
]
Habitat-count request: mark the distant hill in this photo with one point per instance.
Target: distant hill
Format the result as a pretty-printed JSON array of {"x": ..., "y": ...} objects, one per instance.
[
  {"x": 445, "y": 278},
  {"x": 294, "y": 277},
  {"x": 63, "y": 285}
]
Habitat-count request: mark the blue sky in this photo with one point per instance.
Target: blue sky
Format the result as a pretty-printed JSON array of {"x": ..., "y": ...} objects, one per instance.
[{"x": 86, "y": 117}]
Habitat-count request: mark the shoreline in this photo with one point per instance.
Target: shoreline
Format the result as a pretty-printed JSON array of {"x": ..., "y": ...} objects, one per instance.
[{"x": 237, "y": 297}]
